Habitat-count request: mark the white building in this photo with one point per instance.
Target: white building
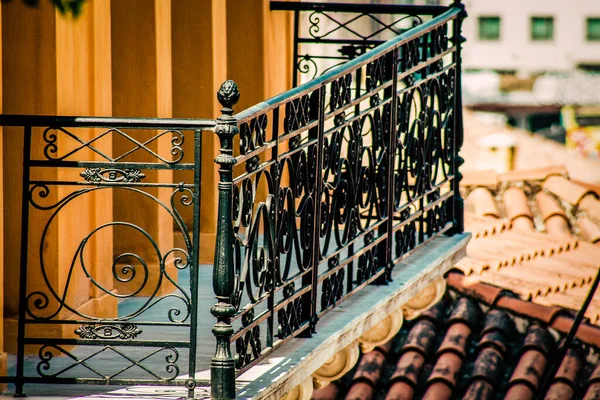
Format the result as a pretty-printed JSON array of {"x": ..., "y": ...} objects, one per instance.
[{"x": 532, "y": 36}]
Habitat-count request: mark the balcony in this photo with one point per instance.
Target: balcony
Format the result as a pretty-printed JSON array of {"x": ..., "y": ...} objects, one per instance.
[{"x": 338, "y": 204}]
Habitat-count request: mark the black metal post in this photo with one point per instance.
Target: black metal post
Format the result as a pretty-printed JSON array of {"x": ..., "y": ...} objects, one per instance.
[
  {"x": 391, "y": 164},
  {"x": 19, "y": 381},
  {"x": 190, "y": 383},
  {"x": 458, "y": 207},
  {"x": 222, "y": 368}
]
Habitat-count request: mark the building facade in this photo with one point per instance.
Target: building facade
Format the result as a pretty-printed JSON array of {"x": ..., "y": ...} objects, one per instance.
[{"x": 532, "y": 36}]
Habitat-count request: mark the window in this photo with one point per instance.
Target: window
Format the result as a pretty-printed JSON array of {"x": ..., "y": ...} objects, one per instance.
[
  {"x": 489, "y": 28},
  {"x": 593, "y": 29},
  {"x": 542, "y": 28}
]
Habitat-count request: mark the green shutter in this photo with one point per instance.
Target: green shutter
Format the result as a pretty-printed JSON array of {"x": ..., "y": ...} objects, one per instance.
[
  {"x": 542, "y": 28},
  {"x": 489, "y": 28},
  {"x": 593, "y": 29}
]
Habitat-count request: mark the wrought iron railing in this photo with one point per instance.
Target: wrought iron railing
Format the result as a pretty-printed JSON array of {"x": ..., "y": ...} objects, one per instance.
[
  {"x": 147, "y": 333},
  {"x": 325, "y": 188},
  {"x": 327, "y": 35}
]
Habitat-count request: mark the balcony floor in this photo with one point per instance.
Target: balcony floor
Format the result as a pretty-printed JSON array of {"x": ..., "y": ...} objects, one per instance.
[{"x": 417, "y": 270}]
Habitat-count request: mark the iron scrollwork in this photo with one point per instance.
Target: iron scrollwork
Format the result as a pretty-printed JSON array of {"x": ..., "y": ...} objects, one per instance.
[
  {"x": 339, "y": 182},
  {"x": 112, "y": 175},
  {"x": 115, "y": 332}
]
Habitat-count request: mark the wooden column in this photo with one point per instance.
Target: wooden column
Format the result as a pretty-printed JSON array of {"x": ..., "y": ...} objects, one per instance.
[
  {"x": 259, "y": 50},
  {"x": 2, "y": 353},
  {"x": 56, "y": 66},
  {"x": 199, "y": 68},
  {"x": 216, "y": 40},
  {"x": 141, "y": 87}
]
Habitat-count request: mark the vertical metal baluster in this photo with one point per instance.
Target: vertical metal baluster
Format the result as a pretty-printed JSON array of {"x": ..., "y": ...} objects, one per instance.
[
  {"x": 274, "y": 228},
  {"x": 222, "y": 368},
  {"x": 350, "y": 267},
  {"x": 391, "y": 159},
  {"x": 190, "y": 383},
  {"x": 19, "y": 382},
  {"x": 317, "y": 111},
  {"x": 458, "y": 206}
]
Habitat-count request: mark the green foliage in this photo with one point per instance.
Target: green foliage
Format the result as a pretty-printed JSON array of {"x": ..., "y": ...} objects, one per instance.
[{"x": 65, "y": 7}]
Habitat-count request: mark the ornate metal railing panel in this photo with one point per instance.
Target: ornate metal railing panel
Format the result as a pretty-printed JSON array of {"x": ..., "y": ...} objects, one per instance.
[
  {"x": 330, "y": 34},
  {"x": 105, "y": 298},
  {"x": 326, "y": 187}
]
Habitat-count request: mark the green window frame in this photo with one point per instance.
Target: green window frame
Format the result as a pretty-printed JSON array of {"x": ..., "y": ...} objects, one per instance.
[
  {"x": 489, "y": 28},
  {"x": 593, "y": 29},
  {"x": 542, "y": 28}
]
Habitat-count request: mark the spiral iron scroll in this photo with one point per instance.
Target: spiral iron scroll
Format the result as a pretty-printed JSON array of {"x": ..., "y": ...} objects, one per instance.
[{"x": 47, "y": 304}]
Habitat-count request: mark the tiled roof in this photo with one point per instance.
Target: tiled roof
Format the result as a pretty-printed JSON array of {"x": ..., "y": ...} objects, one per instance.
[
  {"x": 536, "y": 233},
  {"x": 463, "y": 348},
  {"x": 534, "y": 253}
]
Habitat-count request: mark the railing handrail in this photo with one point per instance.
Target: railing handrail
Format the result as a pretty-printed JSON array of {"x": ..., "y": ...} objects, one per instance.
[
  {"x": 105, "y": 122},
  {"x": 359, "y": 8},
  {"x": 349, "y": 66}
]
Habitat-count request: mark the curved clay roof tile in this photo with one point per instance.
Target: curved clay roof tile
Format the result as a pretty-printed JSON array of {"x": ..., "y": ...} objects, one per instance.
[
  {"x": 516, "y": 203},
  {"x": 548, "y": 206},
  {"x": 484, "y": 203},
  {"x": 567, "y": 190},
  {"x": 591, "y": 205},
  {"x": 589, "y": 229}
]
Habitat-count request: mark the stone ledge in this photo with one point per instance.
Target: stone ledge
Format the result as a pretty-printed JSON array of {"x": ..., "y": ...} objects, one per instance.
[{"x": 346, "y": 323}]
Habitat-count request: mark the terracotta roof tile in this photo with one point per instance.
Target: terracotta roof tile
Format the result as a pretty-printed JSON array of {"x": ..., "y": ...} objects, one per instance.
[
  {"x": 486, "y": 178},
  {"x": 567, "y": 190},
  {"x": 519, "y": 391},
  {"x": 563, "y": 386},
  {"x": 593, "y": 387},
  {"x": 484, "y": 203},
  {"x": 548, "y": 206},
  {"x": 420, "y": 339},
  {"x": 474, "y": 288},
  {"x": 488, "y": 365},
  {"x": 479, "y": 390},
  {"x": 368, "y": 374},
  {"x": 446, "y": 370},
  {"x": 594, "y": 187},
  {"x": 408, "y": 369},
  {"x": 360, "y": 391},
  {"x": 485, "y": 226},
  {"x": 532, "y": 363},
  {"x": 493, "y": 359},
  {"x": 438, "y": 391},
  {"x": 589, "y": 229},
  {"x": 399, "y": 391},
  {"x": 455, "y": 339},
  {"x": 327, "y": 392},
  {"x": 573, "y": 299},
  {"x": 593, "y": 392},
  {"x": 532, "y": 174},
  {"x": 470, "y": 347},
  {"x": 517, "y": 208},
  {"x": 465, "y": 311},
  {"x": 558, "y": 225},
  {"x": 552, "y": 214},
  {"x": 591, "y": 205}
]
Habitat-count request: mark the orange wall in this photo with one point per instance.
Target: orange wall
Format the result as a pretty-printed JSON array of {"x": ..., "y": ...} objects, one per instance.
[{"x": 151, "y": 58}]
